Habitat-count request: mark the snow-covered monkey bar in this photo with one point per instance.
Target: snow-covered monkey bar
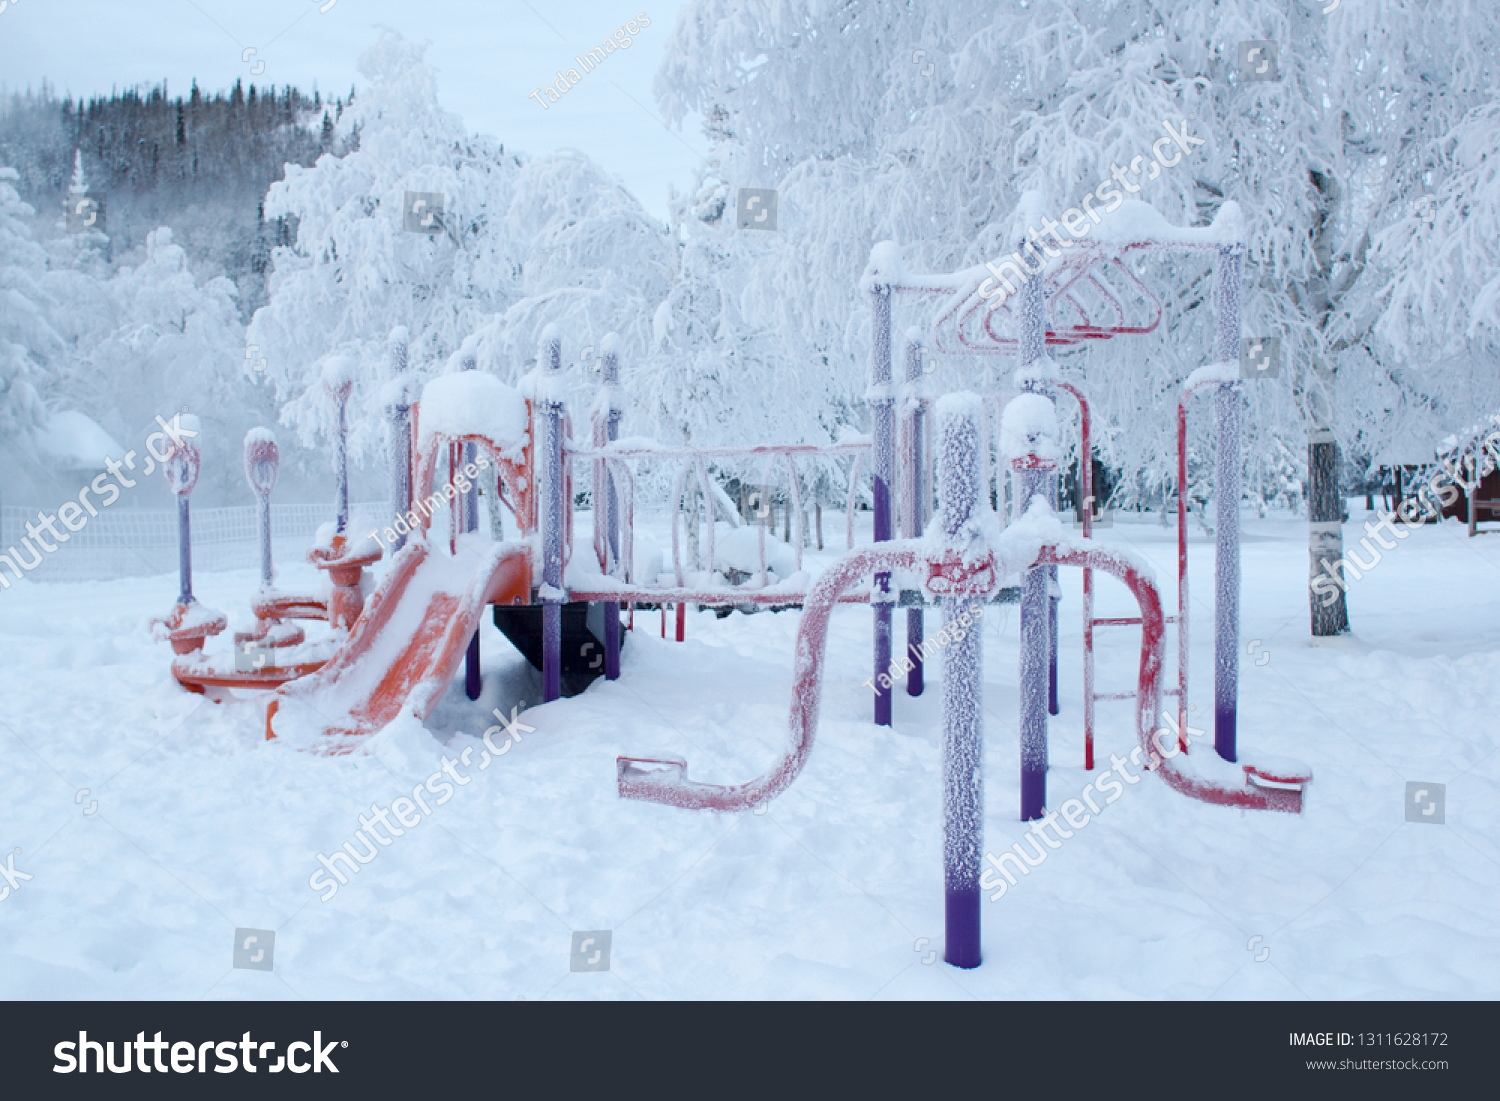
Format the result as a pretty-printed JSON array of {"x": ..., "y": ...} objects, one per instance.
[{"x": 1081, "y": 290}]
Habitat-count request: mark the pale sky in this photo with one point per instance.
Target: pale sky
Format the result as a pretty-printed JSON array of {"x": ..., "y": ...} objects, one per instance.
[{"x": 488, "y": 56}]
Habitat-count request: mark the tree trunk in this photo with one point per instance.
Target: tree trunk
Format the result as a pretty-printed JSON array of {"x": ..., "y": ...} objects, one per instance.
[
  {"x": 1327, "y": 604},
  {"x": 1325, "y": 509}
]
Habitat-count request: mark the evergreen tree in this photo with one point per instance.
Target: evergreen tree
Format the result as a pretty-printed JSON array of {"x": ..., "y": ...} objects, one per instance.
[{"x": 28, "y": 343}]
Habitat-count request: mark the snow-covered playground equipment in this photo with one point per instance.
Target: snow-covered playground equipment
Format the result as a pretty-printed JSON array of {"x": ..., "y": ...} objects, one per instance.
[
  {"x": 961, "y": 562},
  {"x": 401, "y": 648}
]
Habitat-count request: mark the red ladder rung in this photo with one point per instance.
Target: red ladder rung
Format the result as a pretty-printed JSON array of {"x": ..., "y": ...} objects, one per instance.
[
  {"x": 1129, "y": 621},
  {"x": 1131, "y": 695}
]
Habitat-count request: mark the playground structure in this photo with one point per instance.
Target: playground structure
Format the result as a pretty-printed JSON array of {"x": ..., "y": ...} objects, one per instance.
[
  {"x": 1029, "y": 442},
  {"x": 401, "y": 648}
]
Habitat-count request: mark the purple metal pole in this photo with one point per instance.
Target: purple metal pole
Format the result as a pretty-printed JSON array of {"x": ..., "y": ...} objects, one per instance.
[
  {"x": 963, "y": 730},
  {"x": 1052, "y": 602},
  {"x": 398, "y": 420},
  {"x": 262, "y": 461},
  {"x": 184, "y": 551},
  {"x": 181, "y": 469},
  {"x": 338, "y": 382},
  {"x": 1036, "y": 603},
  {"x": 473, "y": 681},
  {"x": 1227, "y": 416},
  {"x": 550, "y": 403},
  {"x": 882, "y": 411},
  {"x": 610, "y": 367},
  {"x": 912, "y": 467},
  {"x": 341, "y": 458},
  {"x": 263, "y": 521},
  {"x": 1033, "y": 673}
]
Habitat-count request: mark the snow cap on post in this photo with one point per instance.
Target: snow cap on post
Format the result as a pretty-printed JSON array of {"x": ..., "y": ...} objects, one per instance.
[
  {"x": 1229, "y": 224},
  {"x": 884, "y": 268},
  {"x": 183, "y": 455},
  {"x": 546, "y": 385},
  {"x": 611, "y": 396},
  {"x": 399, "y": 391},
  {"x": 549, "y": 348},
  {"x": 1028, "y": 433},
  {"x": 466, "y": 358},
  {"x": 609, "y": 352},
  {"x": 262, "y": 460},
  {"x": 338, "y": 377},
  {"x": 398, "y": 340},
  {"x": 1031, "y": 211}
]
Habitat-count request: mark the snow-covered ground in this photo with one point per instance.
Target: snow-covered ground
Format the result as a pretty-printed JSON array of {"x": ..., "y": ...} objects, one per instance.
[{"x": 200, "y": 827}]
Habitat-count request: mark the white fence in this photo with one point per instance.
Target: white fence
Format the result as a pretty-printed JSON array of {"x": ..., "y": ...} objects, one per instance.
[{"x": 143, "y": 542}]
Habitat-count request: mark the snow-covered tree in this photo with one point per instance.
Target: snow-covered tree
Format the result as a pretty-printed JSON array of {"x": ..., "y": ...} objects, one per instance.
[
  {"x": 520, "y": 245},
  {"x": 87, "y": 249},
  {"x": 28, "y": 342},
  {"x": 354, "y": 271},
  {"x": 177, "y": 343},
  {"x": 76, "y": 280},
  {"x": 923, "y": 124}
]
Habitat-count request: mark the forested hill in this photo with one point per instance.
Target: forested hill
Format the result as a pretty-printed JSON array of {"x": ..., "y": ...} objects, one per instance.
[{"x": 196, "y": 163}]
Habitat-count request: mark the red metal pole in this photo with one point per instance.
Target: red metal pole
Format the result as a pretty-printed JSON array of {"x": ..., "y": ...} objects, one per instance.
[{"x": 1086, "y": 480}]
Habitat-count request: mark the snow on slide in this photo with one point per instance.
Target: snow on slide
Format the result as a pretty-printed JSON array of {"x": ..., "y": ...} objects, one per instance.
[{"x": 408, "y": 642}]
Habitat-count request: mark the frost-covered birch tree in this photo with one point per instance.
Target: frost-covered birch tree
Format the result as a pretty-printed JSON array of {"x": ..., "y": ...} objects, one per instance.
[
  {"x": 922, "y": 124},
  {"x": 521, "y": 243}
]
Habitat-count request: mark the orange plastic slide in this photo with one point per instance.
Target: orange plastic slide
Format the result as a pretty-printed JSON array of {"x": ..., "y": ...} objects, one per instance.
[{"x": 409, "y": 641}]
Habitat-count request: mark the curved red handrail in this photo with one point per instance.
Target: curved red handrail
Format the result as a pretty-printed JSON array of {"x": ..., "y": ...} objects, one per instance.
[{"x": 668, "y": 782}]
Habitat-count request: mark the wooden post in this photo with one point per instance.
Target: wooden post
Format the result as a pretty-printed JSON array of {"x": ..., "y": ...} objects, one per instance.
[{"x": 1474, "y": 491}]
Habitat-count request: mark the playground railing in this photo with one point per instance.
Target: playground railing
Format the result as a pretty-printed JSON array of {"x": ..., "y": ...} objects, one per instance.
[
  {"x": 141, "y": 542},
  {"x": 616, "y": 481}
]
